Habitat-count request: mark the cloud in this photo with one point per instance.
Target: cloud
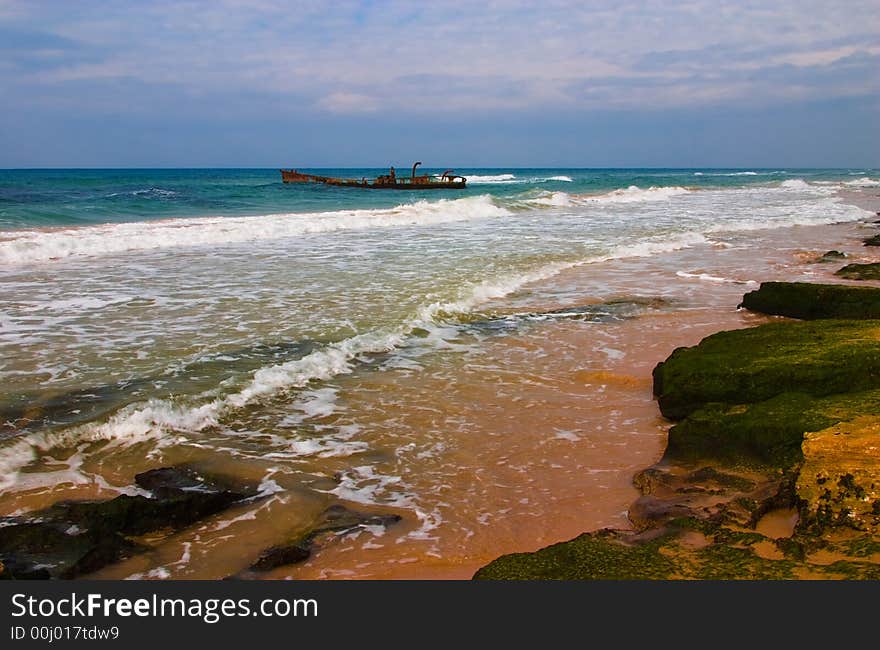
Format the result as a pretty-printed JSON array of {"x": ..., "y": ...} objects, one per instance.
[
  {"x": 348, "y": 103},
  {"x": 189, "y": 66},
  {"x": 393, "y": 55}
]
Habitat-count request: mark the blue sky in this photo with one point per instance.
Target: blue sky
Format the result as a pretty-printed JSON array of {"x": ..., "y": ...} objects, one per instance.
[{"x": 555, "y": 83}]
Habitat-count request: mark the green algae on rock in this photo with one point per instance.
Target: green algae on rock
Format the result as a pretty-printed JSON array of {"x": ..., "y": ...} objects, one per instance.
[
  {"x": 764, "y": 433},
  {"x": 810, "y": 301},
  {"x": 753, "y": 365},
  {"x": 688, "y": 548},
  {"x": 860, "y": 271}
]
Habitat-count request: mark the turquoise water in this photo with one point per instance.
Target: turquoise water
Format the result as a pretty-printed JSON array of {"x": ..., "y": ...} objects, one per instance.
[{"x": 67, "y": 197}]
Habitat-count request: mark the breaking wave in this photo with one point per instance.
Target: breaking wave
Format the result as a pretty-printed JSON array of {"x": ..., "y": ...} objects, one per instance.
[
  {"x": 634, "y": 194},
  {"x": 510, "y": 179},
  {"x": 168, "y": 421},
  {"x": 863, "y": 182},
  {"x": 30, "y": 246}
]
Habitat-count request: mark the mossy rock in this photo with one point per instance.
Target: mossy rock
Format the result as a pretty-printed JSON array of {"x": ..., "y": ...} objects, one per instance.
[
  {"x": 688, "y": 548},
  {"x": 860, "y": 272},
  {"x": 809, "y": 301},
  {"x": 766, "y": 433},
  {"x": 591, "y": 556},
  {"x": 752, "y": 365}
]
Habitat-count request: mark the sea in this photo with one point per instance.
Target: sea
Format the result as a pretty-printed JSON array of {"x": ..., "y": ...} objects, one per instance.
[{"x": 476, "y": 361}]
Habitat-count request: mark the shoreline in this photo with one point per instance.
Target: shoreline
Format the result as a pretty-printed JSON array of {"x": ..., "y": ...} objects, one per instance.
[
  {"x": 560, "y": 454},
  {"x": 705, "y": 534},
  {"x": 657, "y": 334}
]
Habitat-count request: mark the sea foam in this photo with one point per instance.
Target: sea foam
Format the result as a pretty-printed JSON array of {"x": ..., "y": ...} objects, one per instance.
[
  {"x": 34, "y": 246},
  {"x": 634, "y": 194}
]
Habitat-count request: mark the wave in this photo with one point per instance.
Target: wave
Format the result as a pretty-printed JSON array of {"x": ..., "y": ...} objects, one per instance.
[
  {"x": 712, "y": 278},
  {"x": 152, "y": 192},
  {"x": 498, "y": 178},
  {"x": 795, "y": 184},
  {"x": 31, "y": 246},
  {"x": 631, "y": 194},
  {"x": 511, "y": 179},
  {"x": 164, "y": 421},
  {"x": 727, "y": 174},
  {"x": 634, "y": 194},
  {"x": 864, "y": 181}
]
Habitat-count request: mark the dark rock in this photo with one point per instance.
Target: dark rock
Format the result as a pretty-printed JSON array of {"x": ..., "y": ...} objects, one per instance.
[
  {"x": 830, "y": 256},
  {"x": 72, "y": 538},
  {"x": 335, "y": 519},
  {"x": 860, "y": 272},
  {"x": 810, "y": 301},
  {"x": 872, "y": 241},
  {"x": 649, "y": 510},
  {"x": 278, "y": 556}
]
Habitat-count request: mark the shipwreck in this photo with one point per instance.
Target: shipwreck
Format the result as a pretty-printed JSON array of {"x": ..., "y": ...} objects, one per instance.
[{"x": 389, "y": 181}]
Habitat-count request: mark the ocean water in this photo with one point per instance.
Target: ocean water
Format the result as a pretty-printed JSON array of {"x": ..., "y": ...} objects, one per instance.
[{"x": 325, "y": 340}]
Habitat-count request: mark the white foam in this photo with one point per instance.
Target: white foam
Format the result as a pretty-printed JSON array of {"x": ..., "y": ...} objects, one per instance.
[
  {"x": 795, "y": 184},
  {"x": 32, "y": 246},
  {"x": 863, "y": 182},
  {"x": 729, "y": 173},
  {"x": 634, "y": 194},
  {"x": 712, "y": 278},
  {"x": 552, "y": 199},
  {"x": 509, "y": 179},
  {"x": 498, "y": 178},
  {"x": 649, "y": 248}
]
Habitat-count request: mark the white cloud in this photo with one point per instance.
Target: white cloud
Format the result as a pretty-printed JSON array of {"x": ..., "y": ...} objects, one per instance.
[{"x": 435, "y": 57}]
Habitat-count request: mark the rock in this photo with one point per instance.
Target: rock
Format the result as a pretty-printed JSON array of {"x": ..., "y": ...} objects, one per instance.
[
  {"x": 647, "y": 511},
  {"x": 810, "y": 301},
  {"x": 278, "y": 556},
  {"x": 872, "y": 241},
  {"x": 335, "y": 519},
  {"x": 860, "y": 272},
  {"x": 839, "y": 482},
  {"x": 830, "y": 256},
  {"x": 752, "y": 365},
  {"x": 72, "y": 538}
]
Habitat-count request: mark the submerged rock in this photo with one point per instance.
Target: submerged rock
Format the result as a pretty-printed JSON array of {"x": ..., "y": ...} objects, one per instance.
[
  {"x": 72, "y": 538},
  {"x": 830, "y": 256},
  {"x": 872, "y": 241},
  {"x": 335, "y": 519},
  {"x": 860, "y": 272},
  {"x": 809, "y": 301}
]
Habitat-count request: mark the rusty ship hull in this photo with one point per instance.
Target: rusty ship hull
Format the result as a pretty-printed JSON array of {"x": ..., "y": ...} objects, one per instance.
[{"x": 447, "y": 181}]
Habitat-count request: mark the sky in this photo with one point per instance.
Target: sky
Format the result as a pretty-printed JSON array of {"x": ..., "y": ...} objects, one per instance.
[{"x": 605, "y": 83}]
